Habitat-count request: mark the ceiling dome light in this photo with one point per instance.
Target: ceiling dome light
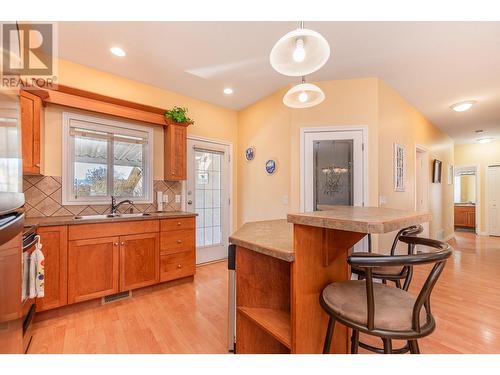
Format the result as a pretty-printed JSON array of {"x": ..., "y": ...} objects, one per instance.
[
  {"x": 300, "y": 52},
  {"x": 463, "y": 106},
  {"x": 485, "y": 140},
  {"x": 228, "y": 91},
  {"x": 304, "y": 95},
  {"x": 117, "y": 51}
]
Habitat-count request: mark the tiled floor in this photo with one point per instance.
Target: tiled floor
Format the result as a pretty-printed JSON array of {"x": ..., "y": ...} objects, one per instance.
[{"x": 192, "y": 317}]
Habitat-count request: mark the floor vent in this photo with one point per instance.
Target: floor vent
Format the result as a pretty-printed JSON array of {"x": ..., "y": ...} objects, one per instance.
[{"x": 116, "y": 297}]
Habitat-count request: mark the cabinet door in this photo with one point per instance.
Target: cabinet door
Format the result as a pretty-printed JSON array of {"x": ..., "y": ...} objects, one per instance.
[
  {"x": 31, "y": 107},
  {"x": 55, "y": 249},
  {"x": 139, "y": 260},
  {"x": 175, "y": 152},
  {"x": 177, "y": 265},
  {"x": 460, "y": 217},
  {"x": 92, "y": 268}
]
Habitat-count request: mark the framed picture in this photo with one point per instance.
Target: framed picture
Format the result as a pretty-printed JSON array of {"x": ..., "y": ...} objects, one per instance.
[
  {"x": 399, "y": 167},
  {"x": 436, "y": 171},
  {"x": 250, "y": 153}
]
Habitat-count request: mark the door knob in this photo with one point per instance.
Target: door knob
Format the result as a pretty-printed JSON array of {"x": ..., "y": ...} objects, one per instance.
[{"x": 190, "y": 201}]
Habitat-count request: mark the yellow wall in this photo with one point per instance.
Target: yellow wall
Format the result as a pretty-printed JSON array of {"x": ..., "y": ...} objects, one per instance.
[
  {"x": 274, "y": 130},
  {"x": 400, "y": 122},
  {"x": 210, "y": 121},
  {"x": 481, "y": 155}
]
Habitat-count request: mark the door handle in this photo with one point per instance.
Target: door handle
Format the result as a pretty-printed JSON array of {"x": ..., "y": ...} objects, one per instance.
[{"x": 190, "y": 202}]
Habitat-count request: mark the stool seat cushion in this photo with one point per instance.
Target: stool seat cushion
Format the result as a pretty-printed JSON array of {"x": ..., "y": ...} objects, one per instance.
[{"x": 393, "y": 306}]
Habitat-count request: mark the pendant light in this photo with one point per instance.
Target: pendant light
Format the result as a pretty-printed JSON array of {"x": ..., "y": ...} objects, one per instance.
[
  {"x": 304, "y": 95},
  {"x": 300, "y": 52}
]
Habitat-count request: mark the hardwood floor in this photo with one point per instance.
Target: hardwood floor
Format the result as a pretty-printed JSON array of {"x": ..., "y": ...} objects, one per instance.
[
  {"x": 191, "y": 317},
  {"x": 187, "y": 317}
]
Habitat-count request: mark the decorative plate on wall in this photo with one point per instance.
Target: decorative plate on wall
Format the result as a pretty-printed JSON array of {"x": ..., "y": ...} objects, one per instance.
[
  {"x": 250, "y": 153},
  {"x": 270, "y": 166}
]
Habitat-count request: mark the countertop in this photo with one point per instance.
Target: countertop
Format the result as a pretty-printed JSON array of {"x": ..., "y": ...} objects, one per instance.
[
  {"x": 271, "y": 237},
  {"x": 70, "y": 220},
  {"x": 361, "y": 219}
]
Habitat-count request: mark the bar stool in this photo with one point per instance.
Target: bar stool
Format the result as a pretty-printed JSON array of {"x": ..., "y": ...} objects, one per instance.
[
  {"x": 382, "y": 310},
  {"x": 397, "y": 273}
]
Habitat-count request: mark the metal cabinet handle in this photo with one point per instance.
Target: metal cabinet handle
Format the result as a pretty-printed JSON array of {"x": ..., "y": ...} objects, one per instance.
[
  {"x": 116, "y": 243},
  {"x": 123, "y": 243},
  {"x": 178, "y": 223},
  {"x": 179, "y": 241},
  {"x": 179, "y": 266}
]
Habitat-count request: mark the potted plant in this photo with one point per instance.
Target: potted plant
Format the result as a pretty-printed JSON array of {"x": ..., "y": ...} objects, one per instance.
[{"x": 178, "y": 115}]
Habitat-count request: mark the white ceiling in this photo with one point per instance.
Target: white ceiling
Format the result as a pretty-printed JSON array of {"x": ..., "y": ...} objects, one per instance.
[{"x": 431, "y": 64}]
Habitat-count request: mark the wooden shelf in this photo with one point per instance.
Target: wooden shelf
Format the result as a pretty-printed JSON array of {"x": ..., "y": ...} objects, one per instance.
[{"x": 276, "y": 322}]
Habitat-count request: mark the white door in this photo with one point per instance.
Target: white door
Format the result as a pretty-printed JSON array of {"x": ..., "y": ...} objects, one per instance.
[
  {"x": 494, "y": 200},
  {"x": 422, "y": 185},
  {"x": 207, "y": 194},
  {"x": 333, "y": 169}
]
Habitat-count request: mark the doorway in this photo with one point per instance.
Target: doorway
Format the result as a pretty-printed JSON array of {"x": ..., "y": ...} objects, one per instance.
[
  {"x": 466, "y": 198},
  {"x": 208, "y": 194},
  {"x": 422, "y": 183}
]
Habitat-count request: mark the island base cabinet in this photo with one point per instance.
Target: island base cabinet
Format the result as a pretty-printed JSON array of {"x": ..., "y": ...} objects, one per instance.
[
  {"x": 139, "y": 260},
  {"x": 92, "y": 268},
  {"x": 177, "y": 265}
]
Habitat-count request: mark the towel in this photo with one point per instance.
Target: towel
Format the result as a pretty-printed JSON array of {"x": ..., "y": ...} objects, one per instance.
[{"x": 37, "y": 272}]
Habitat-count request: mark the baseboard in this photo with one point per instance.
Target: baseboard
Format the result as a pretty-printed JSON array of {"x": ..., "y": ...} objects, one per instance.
[
  {"x": 449, "y": 237},
  {"x": 483, "y": 234}
]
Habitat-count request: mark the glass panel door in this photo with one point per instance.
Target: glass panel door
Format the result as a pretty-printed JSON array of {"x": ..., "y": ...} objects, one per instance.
[
  {"x": 207, "y": 195},
  {"x": 333, "y": 176}
]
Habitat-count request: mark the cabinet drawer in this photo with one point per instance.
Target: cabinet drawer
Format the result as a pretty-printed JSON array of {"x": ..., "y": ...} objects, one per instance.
[
  {"x": 175, "y": 266},
  {"x": 176, "y": 241},
  {"x": 176, "y": 224}
]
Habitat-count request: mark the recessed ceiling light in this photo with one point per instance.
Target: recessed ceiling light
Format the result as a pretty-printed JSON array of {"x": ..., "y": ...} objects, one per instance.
[
  {"x": 228, "y": 91},
  {"x": 463, "y": 106},
  {"x": 485, "y": 140},
  {"x": 117, "y": 51}
]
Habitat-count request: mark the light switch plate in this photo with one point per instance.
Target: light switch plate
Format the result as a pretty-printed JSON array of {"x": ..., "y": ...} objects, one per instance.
[
  {"x": 177, "y": 199},
  {"x": 382, "y": 200}
]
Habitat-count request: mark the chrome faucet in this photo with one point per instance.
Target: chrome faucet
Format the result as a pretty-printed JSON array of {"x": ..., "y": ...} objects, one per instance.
[{"x": 114, "y": 205}]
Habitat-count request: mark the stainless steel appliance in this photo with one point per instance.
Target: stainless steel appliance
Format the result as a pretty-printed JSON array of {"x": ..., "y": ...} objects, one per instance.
[
  {"x": 11, "y": 224},
  {"x": 231, "y": 329}
]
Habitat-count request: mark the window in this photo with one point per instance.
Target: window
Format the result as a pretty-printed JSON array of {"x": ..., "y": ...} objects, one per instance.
[{"x": 105, "y": 158}]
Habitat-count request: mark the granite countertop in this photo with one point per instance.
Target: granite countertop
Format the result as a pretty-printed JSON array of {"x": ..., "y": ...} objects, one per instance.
[
  {"x": 465, "y": 204},
  {"x": 361, "y": 219},
  {"x": 70, "y": 220},
  {"x": 271, "y": 237}
]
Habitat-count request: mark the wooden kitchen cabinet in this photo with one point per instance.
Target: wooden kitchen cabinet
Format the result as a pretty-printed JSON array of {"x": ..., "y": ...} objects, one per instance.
[
  {"x": 465, "y": 216},
  {"x": 175, "y": 150},
  {"x": 139, "y": 260},
  {"x": 92, "y": 268},
  {"x": 55, "y": 249},
  {"x": 177, "y": 265},
  {"x": 31, "y": 111}
]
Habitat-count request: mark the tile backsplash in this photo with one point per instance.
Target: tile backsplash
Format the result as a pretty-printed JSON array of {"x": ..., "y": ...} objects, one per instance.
[{"x": 43, "y": 196}]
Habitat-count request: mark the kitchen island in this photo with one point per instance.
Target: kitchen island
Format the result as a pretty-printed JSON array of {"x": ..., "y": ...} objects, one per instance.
[{"x": 282, "y": 266}]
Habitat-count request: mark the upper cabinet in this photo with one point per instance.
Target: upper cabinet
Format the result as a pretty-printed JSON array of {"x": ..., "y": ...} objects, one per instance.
[
  {"x": 31, "y": 114},
  {"x": 175, "y": 152}
]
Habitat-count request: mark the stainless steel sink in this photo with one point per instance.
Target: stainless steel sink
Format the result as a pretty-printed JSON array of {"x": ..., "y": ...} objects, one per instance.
[{"x": 108, "y": 216}]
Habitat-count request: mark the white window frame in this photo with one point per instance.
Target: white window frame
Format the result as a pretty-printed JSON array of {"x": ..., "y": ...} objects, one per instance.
[{"x": 97, "y": 123}]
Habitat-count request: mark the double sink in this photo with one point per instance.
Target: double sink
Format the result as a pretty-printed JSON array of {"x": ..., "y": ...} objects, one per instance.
[{"x": 109, "y": 216}]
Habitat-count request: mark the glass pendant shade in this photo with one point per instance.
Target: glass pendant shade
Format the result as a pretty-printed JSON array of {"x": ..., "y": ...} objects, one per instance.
[
  {"x": 299, "y": 53},
  {"x": 304, "y": 95}
]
